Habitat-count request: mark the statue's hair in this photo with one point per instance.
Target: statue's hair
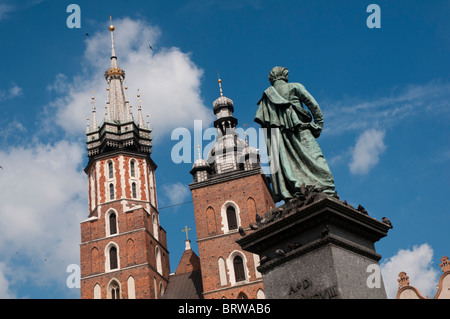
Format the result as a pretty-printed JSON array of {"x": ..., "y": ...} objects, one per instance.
[{"x": 278, "y": 73}]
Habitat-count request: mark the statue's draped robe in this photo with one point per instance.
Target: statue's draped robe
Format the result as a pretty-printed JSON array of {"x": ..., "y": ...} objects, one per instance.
[{"x": 295, "y": 157}]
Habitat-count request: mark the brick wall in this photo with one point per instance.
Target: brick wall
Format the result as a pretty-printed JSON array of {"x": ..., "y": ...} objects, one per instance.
[
  {"x": 138, "y": 231},
  {"x": 249, "y": 195}
]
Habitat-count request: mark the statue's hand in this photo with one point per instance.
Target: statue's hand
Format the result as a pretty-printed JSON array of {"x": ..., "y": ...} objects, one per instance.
[{"x": 315, "y": 128}]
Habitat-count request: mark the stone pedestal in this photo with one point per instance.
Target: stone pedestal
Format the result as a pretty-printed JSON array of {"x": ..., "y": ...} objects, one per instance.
[{"x": 321, "y": 249}]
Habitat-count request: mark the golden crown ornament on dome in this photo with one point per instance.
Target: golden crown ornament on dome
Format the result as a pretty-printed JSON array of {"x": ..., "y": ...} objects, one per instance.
[{"x": 115, "y": 72}]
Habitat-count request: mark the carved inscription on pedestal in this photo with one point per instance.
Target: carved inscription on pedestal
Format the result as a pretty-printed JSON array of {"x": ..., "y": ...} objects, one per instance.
[{"x": 303, "y": 289}]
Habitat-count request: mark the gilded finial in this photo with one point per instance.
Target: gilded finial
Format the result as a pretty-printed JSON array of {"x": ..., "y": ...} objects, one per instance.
[
  {"x": 138, "y": 96},
  {"x": 220, "y": 83},
  {"x": 93, "y": 101},
  {"x": 111, "y": 27}
]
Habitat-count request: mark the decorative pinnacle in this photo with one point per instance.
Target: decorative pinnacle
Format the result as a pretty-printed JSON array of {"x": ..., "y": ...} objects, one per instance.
[
  {"x": 445, "y": 265},
  {"x": 140, "y": 118},
  {"x": 114, "y": 71},
  {"x": 220, "y": 86},
  {"x": 403, "y": 280},
  {"x": 93, "y": 101},
  {"x": 199, "y": 153},
  {"x": 219, "y": 80},
  {"x": 94, "y": 118},
  {"x": 111, "y": 27}
]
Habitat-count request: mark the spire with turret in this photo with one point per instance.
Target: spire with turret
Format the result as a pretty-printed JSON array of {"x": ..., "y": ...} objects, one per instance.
[
  {"x": 123, "y": 250},
  {"x": 118, "y": 130},
  {"x": 230, "y": 153}
]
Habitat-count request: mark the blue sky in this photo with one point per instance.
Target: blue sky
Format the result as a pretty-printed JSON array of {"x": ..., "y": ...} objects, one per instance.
[{"x": 384, "y": 94}]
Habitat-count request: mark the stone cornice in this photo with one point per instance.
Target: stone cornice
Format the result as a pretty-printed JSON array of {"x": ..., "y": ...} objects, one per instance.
[{"x": 228, "y": 176}]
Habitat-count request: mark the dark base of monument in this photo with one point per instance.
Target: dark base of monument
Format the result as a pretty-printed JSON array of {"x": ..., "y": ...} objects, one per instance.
[{"x": 324, "y": 249}]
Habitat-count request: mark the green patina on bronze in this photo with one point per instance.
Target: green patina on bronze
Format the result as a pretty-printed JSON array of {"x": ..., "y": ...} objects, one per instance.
[{"x": 295, "y": 155}]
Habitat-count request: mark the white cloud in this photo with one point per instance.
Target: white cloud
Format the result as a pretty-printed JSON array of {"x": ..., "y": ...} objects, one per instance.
[
  {"x": 44, "y": 199},
  {"x": 366, "y": 153},
  {"x": 176, "y": 193},
  {"x": 43, "y": 187},
  {"x": 411, "y": 101},
  {"x": 5, "y": 9},
  {"x": 417, "y": 263},
  {"x": 13, "y": 91},
  {"x": 167, "y": 79},
  {"x": 5, "y": 292}
]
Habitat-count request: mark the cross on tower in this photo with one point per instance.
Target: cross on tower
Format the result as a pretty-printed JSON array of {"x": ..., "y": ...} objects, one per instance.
[{"x": 186, "y": 229}]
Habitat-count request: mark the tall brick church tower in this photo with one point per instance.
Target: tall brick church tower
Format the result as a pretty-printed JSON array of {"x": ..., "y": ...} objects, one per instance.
[
  {"x": 123, "y": 248},
  {"x": 229, "y": 189}
]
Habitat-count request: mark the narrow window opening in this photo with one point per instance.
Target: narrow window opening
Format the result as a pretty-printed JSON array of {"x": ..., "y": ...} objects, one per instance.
[
  {"x": 113, "y": 258},
  {"x": 112, "y": 224},
  {"x": 133, "y": 189},
  {"x": 238, "y": 268},
  {"x": 110, "y": 169},
  {"x": 231, "y": 217},
  {"x": 132, "y": 170},
  {"x": 111, "y": 191}
]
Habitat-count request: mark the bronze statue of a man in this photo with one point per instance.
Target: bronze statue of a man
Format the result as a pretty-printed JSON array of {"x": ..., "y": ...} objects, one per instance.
[{"x": 295, "y": 157}]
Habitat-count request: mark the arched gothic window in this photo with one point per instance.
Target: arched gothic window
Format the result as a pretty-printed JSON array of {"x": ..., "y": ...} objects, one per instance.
[
  {"x": 132, "y": 168},
  {"x": 133, "y": 189},
  {"x": 97, "y": 292},
  {"x": 231, "y": 218},
  {"x": 158, "y": 260},
  {"x": 131, "y": 288},
  {"x": 155, "y": 227},
  {"x": 113, "y": 258},
  {"x": 111, "y": 191},
  {"x": 112, "y": 224},
  {"x": 238, "y": 265},
  {"x": 114, "y": 290},
  {"x": 110, "y": 169},
  {"x": 242, "y": 295},
  {"x": 222, "y": 272}
]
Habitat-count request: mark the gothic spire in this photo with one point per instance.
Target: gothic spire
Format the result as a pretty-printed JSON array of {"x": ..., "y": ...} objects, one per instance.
[
  {"x": 118, "y": 131},
  {"x": 117, "y": 106},
  {"x": 94, "y": 117}
]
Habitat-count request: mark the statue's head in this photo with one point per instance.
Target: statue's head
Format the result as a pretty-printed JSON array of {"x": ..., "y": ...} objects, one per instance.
[{"x": 278, "y": 73}]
